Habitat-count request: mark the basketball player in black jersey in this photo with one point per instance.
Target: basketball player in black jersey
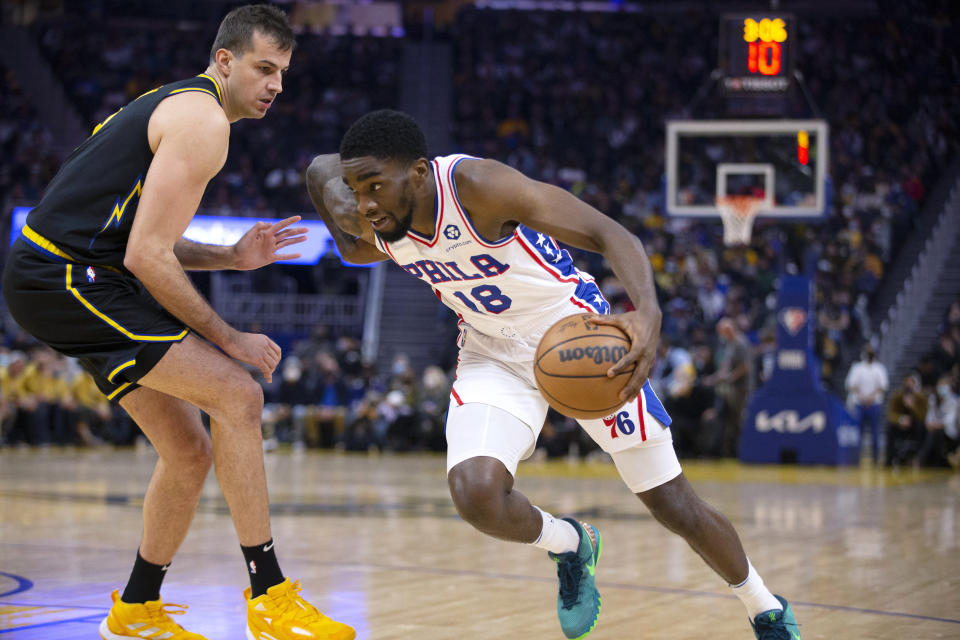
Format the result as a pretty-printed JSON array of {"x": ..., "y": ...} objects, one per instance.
[{"x": 98, "y": 274}]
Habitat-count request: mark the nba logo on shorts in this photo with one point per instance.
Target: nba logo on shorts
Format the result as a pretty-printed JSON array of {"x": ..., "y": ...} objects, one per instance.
[
  {"x": 91, "y": 274},
  {"x": 793, "y": 319},
  {"x": 451, "y": 232}
]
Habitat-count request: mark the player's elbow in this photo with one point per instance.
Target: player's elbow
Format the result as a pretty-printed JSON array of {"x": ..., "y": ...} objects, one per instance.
[
  {"x": 139, "y": 261},
  {"x": 133, "y": 262},
  {"x": 322, "y": 168},
  {"x": 609, "y": 236},
  {"x": 313, "y": 178}
]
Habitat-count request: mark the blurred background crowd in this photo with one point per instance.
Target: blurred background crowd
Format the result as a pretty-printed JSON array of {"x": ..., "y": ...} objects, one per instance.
[{"x": 578, "y": 100}]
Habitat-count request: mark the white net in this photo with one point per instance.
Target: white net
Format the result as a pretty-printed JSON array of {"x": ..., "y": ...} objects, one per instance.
[{"x": 738, "y": 214}]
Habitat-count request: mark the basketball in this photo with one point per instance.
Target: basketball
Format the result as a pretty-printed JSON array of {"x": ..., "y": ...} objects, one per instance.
[{"x": 571, "y": 367}]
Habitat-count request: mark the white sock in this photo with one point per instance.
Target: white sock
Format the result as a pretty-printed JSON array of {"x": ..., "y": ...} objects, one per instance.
[
  {"x": 557, "y": 535},
  {"x": 754, "y": 594}
]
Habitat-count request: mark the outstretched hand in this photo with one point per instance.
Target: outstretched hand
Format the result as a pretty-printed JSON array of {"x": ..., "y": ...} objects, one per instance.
[
  {"x": 644, "y": 333},
  {"x": 259, "y": 245}
]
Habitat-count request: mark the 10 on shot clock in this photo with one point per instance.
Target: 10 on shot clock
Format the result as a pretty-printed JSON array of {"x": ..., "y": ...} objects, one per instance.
[{"x": 756, "y": 52}]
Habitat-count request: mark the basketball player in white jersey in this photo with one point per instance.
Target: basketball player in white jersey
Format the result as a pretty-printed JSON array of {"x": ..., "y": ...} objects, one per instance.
[{"x": 482, "y": 235}]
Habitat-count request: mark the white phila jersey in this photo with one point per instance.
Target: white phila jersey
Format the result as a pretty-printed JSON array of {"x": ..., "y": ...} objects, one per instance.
[{"x": 513, "y": 287}]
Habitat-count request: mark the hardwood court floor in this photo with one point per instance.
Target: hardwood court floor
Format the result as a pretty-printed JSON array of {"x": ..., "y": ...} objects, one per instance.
[{"x": 860, "y": 553}]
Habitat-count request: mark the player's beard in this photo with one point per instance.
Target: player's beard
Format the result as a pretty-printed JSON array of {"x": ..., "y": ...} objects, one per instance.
[{"x": 402, "y": 225}]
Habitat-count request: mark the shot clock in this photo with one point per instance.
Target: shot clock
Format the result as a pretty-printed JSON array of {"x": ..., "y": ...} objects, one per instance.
[{"x": 756, "y": 52}]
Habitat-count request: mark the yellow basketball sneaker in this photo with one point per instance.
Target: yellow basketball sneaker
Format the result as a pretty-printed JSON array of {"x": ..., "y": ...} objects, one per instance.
[
  {"x": 281, "y": 614},
  {"x": 150, "y": 620}
]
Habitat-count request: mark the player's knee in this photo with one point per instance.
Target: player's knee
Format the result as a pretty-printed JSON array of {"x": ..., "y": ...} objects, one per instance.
[
  {"x": 253, "y": 393},
  {"x": 192, "y": 456},
  {"x": 248, "y": 392},
  {"x": 241, "y": 403},
  {"x": 478, "y": 496},
  {"x": 202, "y": 452},
  {"x": 199, "y": 457},
  {"x": 676, "y": 507}
]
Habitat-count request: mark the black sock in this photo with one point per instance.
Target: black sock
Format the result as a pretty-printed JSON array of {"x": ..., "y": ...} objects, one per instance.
[
  {"x": 262, "y": 566},
  {"x": 145, "y": 581}
]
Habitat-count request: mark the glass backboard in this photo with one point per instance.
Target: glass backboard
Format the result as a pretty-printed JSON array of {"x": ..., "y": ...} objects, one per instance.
[{"x": 782, "y": 162}]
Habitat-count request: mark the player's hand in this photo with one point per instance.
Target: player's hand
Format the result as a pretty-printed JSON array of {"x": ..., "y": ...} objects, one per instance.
[
  {"x": 256, "y": 350},
  {"x": 644, "y": 333},
  {"x": 259, "y": 245}
]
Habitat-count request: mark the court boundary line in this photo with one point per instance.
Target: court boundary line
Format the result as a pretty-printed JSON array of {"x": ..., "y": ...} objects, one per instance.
[
  {"x": 57, "y": 606},
  {"x": 23, "y": 584},
  {"x": 40, "y": 625}
]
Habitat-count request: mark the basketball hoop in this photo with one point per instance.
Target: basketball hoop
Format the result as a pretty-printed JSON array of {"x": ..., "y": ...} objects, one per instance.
[{"x": 738, "y": 213}]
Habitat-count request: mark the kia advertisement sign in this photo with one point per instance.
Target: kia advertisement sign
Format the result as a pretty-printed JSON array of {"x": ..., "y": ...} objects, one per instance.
[{"x": 792, "y": 418}]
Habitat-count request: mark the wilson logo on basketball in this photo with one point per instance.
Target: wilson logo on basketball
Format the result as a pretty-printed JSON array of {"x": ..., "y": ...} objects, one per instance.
[
  {"x": 597, "y": 354},
  {"x": 571, "y": 365}
]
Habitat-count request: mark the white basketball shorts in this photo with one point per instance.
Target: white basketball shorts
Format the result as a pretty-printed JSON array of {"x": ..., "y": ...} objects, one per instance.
[{"x": 499, "y": 373}]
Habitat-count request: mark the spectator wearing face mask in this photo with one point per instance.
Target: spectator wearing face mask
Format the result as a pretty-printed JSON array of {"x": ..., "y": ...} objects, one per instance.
[
  {"x": 866, "y": 385},
  {"x": 906, "y": 417},
  {"x": 284, "y": 413},
  {"x": 327, "y": 413},
  {"x": 433, "y": 400},
  {"x": 940, "y": 436}
]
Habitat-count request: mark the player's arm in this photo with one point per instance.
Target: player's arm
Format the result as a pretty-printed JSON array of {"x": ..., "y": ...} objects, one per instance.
[
  {"x": 494, "y": 192},
  {"x": 337, "y": 207},
  {"x": 256, "y": 248},
  {"x": 190, "y": 135},
  {"x": 196, "y": 256}
]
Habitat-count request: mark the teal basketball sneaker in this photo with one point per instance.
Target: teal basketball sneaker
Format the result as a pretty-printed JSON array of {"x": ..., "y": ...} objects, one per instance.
[
  {"x": 578, "y": 602},
  {"x": 776, "y": 625}
]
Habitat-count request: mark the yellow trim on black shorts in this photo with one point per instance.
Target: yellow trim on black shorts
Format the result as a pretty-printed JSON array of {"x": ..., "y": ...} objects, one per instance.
[
  {"x": 37, "y": 241},
  {"x": 45, "y": 244},
  {"x": 128, "y": 363},
  {"x": 112, "y": 322},
  {"x": 118, "y": 390}
]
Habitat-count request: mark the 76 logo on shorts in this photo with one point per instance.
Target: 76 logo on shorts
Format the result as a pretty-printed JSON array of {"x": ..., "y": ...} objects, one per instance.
[{"x": 619, "y": 423}]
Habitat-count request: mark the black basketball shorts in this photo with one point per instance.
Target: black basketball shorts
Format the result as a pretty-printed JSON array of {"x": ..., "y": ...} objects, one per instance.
[{"x": 105, "y": 319}]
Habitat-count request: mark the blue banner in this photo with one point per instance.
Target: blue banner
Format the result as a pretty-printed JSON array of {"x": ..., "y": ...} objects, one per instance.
[{"x": 226, "y": 230}]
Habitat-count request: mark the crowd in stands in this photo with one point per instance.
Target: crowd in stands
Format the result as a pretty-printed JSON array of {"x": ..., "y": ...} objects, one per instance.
[
  {"x": 578, "y": 100},
  {"x": 29, "y": 156},
  {"x": 923, "y": 421},
  {"x": 323, "y": 395},
  {"x": 47, "y": 399},
  {"x": 328, "y": 396}
]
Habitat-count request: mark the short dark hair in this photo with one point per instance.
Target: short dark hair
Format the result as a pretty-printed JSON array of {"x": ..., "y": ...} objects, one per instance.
[
  {"x": 385, "y": 135},
  {"x": 237, "y": 27}
]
